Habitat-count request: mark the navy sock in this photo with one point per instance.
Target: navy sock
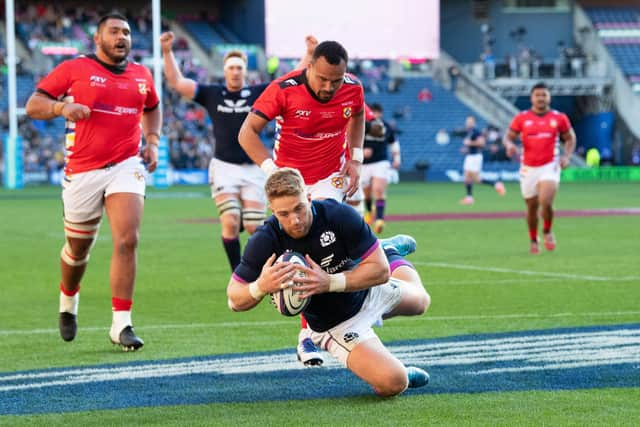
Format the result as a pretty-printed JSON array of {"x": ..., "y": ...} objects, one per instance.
[
  {"x": 368, "y": 204},
  {"x": 380, "y": 205},
  {"x": 469, "y": 189},
  {"x": 232, "y": 248}
]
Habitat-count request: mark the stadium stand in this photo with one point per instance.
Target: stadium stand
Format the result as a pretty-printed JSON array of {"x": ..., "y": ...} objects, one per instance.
[{"x": 619, "y": 30}]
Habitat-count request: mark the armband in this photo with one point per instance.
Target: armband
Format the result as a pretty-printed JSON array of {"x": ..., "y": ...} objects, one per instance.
[
  {"x": 357, "y": 154},
  {"x": 337, "y": 282},
  {"x": 255, "y": 291}
]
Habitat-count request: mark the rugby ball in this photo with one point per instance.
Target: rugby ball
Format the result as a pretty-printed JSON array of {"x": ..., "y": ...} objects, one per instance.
[{"x": 287, "y": 301}]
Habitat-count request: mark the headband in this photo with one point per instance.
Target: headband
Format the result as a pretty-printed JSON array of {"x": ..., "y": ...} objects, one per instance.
[{"x": 234, "y": 60}]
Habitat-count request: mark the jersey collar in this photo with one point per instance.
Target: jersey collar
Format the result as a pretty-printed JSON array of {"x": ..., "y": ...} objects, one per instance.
[{"x": 115, "y": 69}]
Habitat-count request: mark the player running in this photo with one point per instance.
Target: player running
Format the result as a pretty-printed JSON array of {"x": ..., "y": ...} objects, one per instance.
[
  {"x": 237, "y": 185},
  {"x": 540, "y": 162},
  {"x": 108, "y": 102}
]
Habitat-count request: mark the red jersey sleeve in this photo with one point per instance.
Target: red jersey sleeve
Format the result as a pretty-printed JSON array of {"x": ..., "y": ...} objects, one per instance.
[
  {"x": 271, "y": 103},
  {"x": 516, "y": 123},
  {"x": 564, "y": 124},
  {"x": 152, "y": 96},
  {"x": 368, "y": 114},
  {"x": 58, "y": 81}
]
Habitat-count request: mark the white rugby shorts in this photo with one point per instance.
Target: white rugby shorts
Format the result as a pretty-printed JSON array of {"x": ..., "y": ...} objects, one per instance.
[
  {"x": 530, "y": 176},
  {"x": 332, "y": 187},
  {"x": 472, "y": 163},
  {"x": 344, "y": 337},
  {"x": 374, "y": 170},
  {"x": 246, "y": 180},
  {"x": 83, "y": 193}
]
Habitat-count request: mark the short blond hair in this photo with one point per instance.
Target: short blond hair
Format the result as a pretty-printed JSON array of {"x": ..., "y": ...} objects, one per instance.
[
  {"x": 235, "y": 54},
  {"x": 284, "y": 182}
]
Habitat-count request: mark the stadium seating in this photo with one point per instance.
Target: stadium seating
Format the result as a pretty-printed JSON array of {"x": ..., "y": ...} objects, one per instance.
[
  {"x": 619, "y": 30},
  {"x": 421, "y": 120}
]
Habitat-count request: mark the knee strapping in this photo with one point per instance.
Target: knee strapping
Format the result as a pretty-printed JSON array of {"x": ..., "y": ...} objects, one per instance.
[
  {"x": 67, "y": 256},
  {"x": 253, "y": 217},
  {"x": 229, "y": 206},
  {"x": 78, "y": 231}
]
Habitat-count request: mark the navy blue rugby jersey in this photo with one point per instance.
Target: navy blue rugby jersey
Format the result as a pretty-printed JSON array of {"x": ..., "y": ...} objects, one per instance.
[
  {"x": 379, "y": 144},
  {"x": 228, "y": 110},
  {"x": 337, "y": 241},
  {"x": 473, "y": 134}
]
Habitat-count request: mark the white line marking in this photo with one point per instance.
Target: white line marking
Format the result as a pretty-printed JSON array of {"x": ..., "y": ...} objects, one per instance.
[
  {"x": 527, "y": 352},
  {"x": 526, "y": 272},
  {"x": 271, "y": 323}
]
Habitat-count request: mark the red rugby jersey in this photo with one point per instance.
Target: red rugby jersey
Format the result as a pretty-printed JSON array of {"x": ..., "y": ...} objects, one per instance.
[
  {"x": 117, "y": 99},
  {"x": 310, "y": 135},
  {"x": 539, "y": 135}
]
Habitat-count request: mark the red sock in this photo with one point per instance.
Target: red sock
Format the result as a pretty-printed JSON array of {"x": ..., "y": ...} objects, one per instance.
[
  {"x": 533, "y": 235},
  {"x": 547, "y": 227},
  {"x": 303, "y": 322},
  {"x": 69, "y": 293},
  {"x": 118, "y": 304}
]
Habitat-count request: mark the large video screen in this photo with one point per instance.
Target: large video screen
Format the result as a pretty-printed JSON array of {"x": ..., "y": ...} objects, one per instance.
[{"x": 366, "y": 28}]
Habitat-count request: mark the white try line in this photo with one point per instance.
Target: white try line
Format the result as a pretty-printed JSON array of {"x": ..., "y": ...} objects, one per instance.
[
  {"x": 272, "y": 323},
  {"x": 527, "y": 272}
]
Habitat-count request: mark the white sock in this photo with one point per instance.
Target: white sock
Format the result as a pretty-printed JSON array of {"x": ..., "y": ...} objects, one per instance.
[
  {"x": 304, "y": 333},
  {"x": 121, "y": 319},
  {"x": 69, "y": 304}
]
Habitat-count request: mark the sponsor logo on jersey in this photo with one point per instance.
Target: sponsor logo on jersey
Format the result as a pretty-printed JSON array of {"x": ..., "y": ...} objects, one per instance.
[
  {"x": 142, "y": 88},
  {"x": 231, "y": 106},
  {"x": 327, "y": 114},
  {"x": 346, "y": 112},
  {"x": 327, "y": 238},
  {"x": 553, "y": 123},
  {"x": 302, "y": 114},
  {"x": 326, "y": 261},
  {"x": 98, "y": 81},
  {"x": 528, "y": 123},
  {"x": 291, "y": 82}
]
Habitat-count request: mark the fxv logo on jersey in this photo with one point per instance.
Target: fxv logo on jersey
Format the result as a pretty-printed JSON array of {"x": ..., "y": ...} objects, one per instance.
[{"x": 302, "y": 114}]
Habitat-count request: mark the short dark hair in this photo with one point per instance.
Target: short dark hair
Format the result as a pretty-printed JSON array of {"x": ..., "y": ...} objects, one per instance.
[
  {"x": 539, "y": 85},
  {"x": 376, "y": 107},
  {"x": 332, "y": 51},
  {"x": 112, "y": 15}
]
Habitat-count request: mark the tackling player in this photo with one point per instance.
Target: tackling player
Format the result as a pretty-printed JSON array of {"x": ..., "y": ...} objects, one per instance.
[
  {"x": 108, "y": 102},
  {"x": 348, "y": 280},
  {"x": 319, "y": 113},
  {"x": 540, "y": 162}
]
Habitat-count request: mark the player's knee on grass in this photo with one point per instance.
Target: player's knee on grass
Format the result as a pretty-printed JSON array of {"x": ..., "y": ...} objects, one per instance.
[{"x": 392, "y": 383}]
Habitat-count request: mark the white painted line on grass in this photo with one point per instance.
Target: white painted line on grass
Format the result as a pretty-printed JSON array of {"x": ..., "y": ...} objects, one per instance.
[
  {"x": 272, "y": 323},
  {"x": 526, "y": 272},
  {"x": 532, "y": 352}
]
